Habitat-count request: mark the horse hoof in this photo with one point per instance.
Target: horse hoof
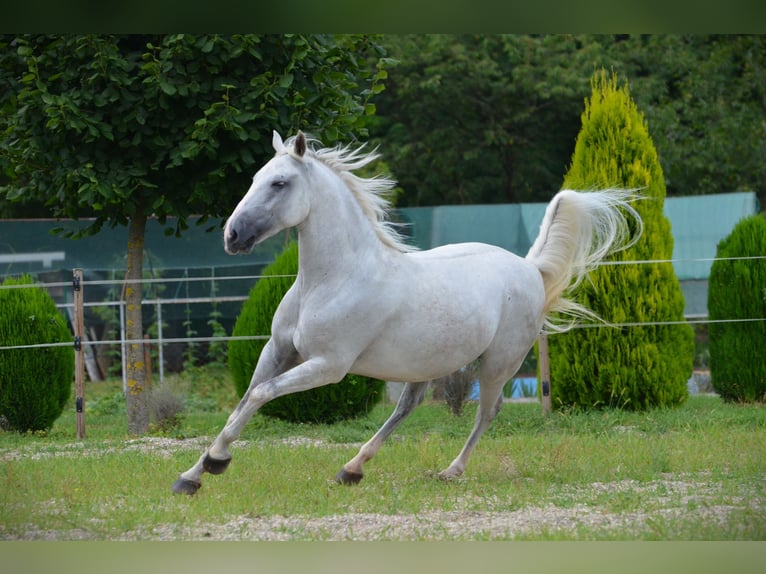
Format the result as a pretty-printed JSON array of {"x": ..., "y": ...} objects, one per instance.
[
  {"x": 345, "y": 477},
  {"x": 184, "y": 486},
  {"x": 448, "y": 475},
  {"x": 214, "y": 465}
]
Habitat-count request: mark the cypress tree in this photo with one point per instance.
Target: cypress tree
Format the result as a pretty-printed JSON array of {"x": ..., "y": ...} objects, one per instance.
[
  {"x": 631, "y": 367},
  {"x": 737, "y": 290}
]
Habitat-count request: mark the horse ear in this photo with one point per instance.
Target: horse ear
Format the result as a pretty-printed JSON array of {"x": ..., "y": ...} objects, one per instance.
[
  {"x": 276, "y": 141},
  {"x": 300, "y": 144}
]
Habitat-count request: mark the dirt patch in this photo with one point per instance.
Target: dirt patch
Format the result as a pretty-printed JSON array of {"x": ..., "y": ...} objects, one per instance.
[
  {"x": 691, "y": 498},
  {"x": 435, "y": 525}
]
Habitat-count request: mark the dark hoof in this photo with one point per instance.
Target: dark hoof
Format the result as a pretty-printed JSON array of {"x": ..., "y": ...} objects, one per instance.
[
  {"x": 215, "y": 466},
  {"x": 345, "y": 477},
  {"x": 183, "y": 486}
]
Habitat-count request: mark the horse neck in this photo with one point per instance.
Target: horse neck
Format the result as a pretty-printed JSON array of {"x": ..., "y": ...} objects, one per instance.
[{"x": 336, "y": 238}]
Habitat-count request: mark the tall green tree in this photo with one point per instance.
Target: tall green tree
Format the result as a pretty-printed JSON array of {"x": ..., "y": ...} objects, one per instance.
[
  {"x": 493, "y": 119},
  {"x": 121, "y": 128},
  {"x": 646, "y": 364},
  {"x": 704, "y": 98},
  {"x": 482, "y": 119}
]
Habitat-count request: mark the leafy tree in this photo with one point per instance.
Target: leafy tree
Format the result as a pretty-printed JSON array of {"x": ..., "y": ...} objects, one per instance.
[
  {"x": 634, "y": 367},
  {"x": 737, "y": 290},
  {"x": 482, "y": 119},
  {"x": 486, "y": 119},
  {"x": 704, "y": 98},
  {"x": 121, "y": 128}
]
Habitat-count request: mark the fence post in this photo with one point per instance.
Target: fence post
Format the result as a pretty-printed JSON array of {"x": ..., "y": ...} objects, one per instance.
[
  {"x": 160, "y": 352},
  {"x": 545, "y": 374},
  {"x": 148, "y": 362},
  {"x": 79, "y": 356},
  {"x": 123, "y": 349}
]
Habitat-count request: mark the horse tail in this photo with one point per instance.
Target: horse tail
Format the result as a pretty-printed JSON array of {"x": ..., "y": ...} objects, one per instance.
[{"x": 578, "y": 231}]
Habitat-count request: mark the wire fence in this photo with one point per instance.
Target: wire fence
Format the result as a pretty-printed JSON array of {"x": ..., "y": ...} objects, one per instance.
[
  {"x": 223, "y": 278},
  {"x": 214, "y": 299},
  {"x": 82, "y": 345}
]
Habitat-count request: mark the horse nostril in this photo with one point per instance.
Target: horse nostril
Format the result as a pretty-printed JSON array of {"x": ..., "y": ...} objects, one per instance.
[{"x": 233, "y": 235}]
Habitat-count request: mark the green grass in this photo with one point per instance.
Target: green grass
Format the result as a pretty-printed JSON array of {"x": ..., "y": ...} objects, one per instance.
[{"x": 694, "y": 472}]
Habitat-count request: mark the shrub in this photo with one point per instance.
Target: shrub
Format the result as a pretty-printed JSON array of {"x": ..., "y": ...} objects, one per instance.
[
  {"x": 353, "y": 396},
  {"x": 634, "y": 367},
  {"x": 36, "y": 383},
  {"x": 737, "y": 290},
  {"x": 456, "y": 387},
  {"x": 166, "y": 407}
]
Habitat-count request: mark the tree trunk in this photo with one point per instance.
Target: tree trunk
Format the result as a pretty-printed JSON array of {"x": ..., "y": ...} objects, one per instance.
[{"x": 137, "y": 395}]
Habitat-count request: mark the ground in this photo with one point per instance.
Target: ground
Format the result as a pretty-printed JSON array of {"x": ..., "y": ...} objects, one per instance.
[{"x": 574, "y": 508}]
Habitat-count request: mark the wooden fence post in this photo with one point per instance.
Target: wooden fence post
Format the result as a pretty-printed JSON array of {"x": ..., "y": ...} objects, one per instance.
[
  {"x": 545, "y": 374},
  {"x": 79, "y": 356}
]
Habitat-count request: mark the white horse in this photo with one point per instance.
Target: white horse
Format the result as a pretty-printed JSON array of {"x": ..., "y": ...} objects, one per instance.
[{"x": 366, "y": 303}]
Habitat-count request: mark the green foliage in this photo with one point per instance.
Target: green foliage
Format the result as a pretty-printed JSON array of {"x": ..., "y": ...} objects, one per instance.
[
  {"x": 106, "y": 405},
  {"x": 737, "y": 290},
  {"x": 36, "y": 383},
  {"x": 703, "y": 97},
  {"x": 122, "y": 126},
  {"x": 633, "y": 367},
  {"x": 353, "y": 396},
  {"x": 514, "y": 129},
  {"x": 481, "y": 119},
  {"x": 489, "y": 119}
]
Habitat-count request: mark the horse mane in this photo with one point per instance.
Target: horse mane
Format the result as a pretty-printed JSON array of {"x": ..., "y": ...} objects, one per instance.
[{"x": 370, "y": 193}]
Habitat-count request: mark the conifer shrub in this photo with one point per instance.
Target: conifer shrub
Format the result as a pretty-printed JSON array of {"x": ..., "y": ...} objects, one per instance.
[
  {"x": 36, "y": 383},
  {"x": 632, "y": 367},
  {"x": 737, "y": 290},
  {"x": 354, "y": 396}
]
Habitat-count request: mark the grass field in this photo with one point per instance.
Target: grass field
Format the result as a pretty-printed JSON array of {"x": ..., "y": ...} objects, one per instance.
[{"x": 697, "y": 472}]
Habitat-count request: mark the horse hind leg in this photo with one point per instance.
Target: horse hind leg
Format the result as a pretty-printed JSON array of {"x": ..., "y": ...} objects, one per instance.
[
  {"x": 411, "y": 397},
  {"x": 490, "y": 402}
]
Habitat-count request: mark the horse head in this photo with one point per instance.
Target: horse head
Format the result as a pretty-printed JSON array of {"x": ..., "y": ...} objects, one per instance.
[{"x": 277, "y": 198}]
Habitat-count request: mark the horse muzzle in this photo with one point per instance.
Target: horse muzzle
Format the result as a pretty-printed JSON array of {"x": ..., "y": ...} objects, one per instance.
[
  {"x": 238, "y": 237},
  {"x": 241, "y": 234},
  {"x": 234, "y": 245}
]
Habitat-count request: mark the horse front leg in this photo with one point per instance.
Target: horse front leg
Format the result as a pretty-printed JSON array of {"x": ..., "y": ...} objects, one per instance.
[
  {"x": 412, "y": 396},
  {"x": 216, "y": 459}
]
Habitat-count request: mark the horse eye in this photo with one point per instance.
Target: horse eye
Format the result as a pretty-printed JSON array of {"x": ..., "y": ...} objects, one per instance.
[{"x": 279, "y": 183}]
